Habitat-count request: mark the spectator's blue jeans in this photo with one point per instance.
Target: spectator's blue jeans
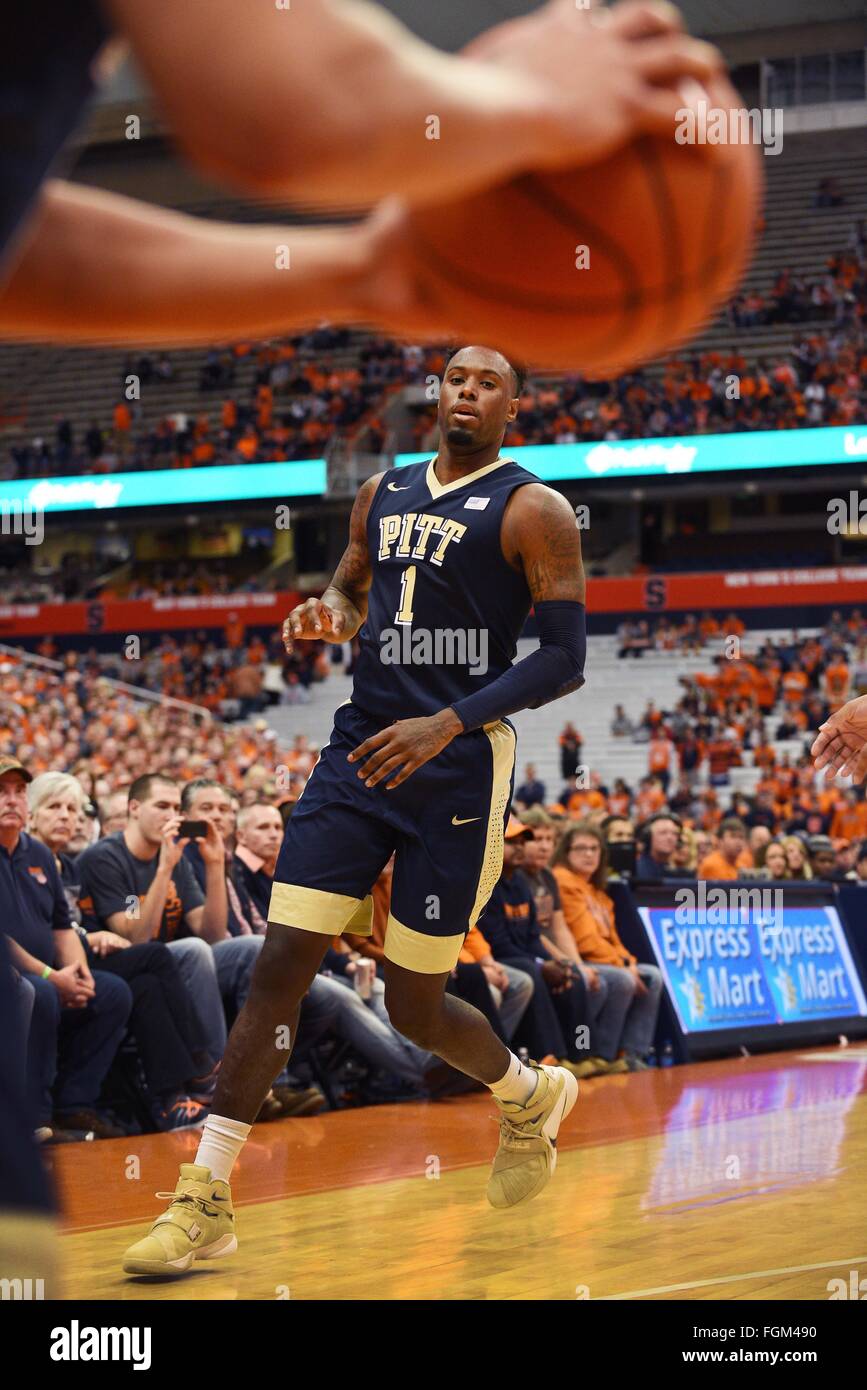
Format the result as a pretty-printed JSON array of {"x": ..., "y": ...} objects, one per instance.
[
  {"x": 224, "y": 971},
  {"x": 626, "y": 1021},
  {"x": 214, "y": 973},
  {"x": 197, "y": 963},
  {"x": 71, "y": 1050},
  {"x": 25, "y": 999},
  {"x": 366, "y": 1025},
  {"x": 513, "y": 1004}
]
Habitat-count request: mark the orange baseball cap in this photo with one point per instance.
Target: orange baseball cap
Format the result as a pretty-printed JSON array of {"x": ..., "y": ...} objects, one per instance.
[{"x": 515, "y": 830}]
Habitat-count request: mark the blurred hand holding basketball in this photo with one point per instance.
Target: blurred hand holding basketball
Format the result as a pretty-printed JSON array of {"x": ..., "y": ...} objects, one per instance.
[
  {"x": 841, "y": 744},
  {"x": 622, "y": 251},
  {"x": 603, "y": 75}
]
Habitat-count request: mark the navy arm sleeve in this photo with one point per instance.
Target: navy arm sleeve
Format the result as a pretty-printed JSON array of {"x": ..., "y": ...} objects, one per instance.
[{"x": 555, "y": 668}]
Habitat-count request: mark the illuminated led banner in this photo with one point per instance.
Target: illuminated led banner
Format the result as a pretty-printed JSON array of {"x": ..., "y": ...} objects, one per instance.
[
  {"x": 167, "y": 487},
  {"x": 748, "y": 967},
  {"x": 691, "y": 453}
]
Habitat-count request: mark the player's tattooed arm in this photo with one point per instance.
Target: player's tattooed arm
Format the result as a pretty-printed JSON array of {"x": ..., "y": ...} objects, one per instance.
[
  {"x": 541, "y": 538},
  {"x": 339, "y": 613}
]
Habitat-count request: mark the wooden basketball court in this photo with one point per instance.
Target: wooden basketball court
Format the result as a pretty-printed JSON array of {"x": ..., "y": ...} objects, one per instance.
[{"x": 737, "y": 1179}]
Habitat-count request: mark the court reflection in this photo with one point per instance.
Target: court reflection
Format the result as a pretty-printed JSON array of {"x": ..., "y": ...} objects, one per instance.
[{"x": 735, "y": 1137}]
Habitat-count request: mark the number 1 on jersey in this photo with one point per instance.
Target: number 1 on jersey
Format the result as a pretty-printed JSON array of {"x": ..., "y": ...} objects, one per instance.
[{"x": 407, "y": 589}]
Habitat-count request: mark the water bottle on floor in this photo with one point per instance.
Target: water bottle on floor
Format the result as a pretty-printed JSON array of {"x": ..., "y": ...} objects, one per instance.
[{"x": 667, "y": 1058}]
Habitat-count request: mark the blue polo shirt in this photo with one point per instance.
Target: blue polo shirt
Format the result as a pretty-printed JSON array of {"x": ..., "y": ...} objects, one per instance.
[{"x": 32, "y": 901}]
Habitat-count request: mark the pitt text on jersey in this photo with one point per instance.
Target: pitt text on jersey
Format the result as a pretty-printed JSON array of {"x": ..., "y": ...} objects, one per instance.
[{"x": 425, "y": 536}]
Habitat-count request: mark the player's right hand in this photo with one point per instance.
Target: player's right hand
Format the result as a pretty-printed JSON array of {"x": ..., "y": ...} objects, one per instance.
[
  {"x": 603, "y": 75},
  {"x": 313, "y": 621},
  {"x": 841, "y": 744}
]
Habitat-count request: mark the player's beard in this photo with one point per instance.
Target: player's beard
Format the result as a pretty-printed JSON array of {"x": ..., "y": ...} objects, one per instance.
[{"x": 456, "y": 434}]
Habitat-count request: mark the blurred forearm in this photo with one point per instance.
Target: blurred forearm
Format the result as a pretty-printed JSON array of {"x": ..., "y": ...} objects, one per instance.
[
  {"x": 329, "y": 101},
  {"x": 98, "y": 267}
]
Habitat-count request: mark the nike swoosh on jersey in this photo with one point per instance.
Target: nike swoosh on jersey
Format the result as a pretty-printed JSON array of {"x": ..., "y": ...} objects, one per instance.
[
  {"x": 465, "y": 821},
  {"x": 392, "y": 488}
]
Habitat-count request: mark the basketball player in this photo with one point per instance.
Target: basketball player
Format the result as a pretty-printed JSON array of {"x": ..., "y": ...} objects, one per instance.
[
  {"x": 444, "y": 560},
  {"x": 841, "y": 743}
]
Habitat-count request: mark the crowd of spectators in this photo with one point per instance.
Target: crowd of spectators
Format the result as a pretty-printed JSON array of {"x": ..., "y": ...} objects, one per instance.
[
  {"x": 135, "y": 920},
  {"x": 818, "y": 381},
  {"x": 134, "y": 943},
  {"x": 684, "y": 816},
  {"x": 79, "y": 720},
  {"x": 80, "y": 580},
  {"x": 289, "y": 407}
]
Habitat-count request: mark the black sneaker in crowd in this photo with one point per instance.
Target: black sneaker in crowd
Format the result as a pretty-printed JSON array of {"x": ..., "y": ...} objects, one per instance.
[
  {"x": 308, "y": 1101},
  {"x": 85, "y": 1120}
]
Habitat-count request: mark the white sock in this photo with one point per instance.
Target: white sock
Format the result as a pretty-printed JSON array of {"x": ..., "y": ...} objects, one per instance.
[
  {"x": 518, "y": 1084},
  {"x": 221, "y": 1142}
]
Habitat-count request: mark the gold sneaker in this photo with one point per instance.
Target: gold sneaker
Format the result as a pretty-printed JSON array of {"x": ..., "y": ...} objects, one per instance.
[
  {"x": 199, "y": 1225},
  {"x": 527, "y": 1155}
]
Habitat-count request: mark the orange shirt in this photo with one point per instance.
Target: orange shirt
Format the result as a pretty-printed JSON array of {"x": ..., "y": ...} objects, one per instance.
[
  {"x": 648, "y": 801},
  {"x": 659, "y": 754},
  {"x": 589, "y": 915},
  {"x": 794, "y": 685},
  {"x": 715, "y": 866},
  {"x": 475, "y": 947},
  {"x": 850, "y": 822},
  {"x": 589, "y": 800},
  {"x": 837, "y": 683}
]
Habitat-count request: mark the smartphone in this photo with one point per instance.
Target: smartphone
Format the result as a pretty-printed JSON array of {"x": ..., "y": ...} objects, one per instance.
[{"x": 192, "y": 830}]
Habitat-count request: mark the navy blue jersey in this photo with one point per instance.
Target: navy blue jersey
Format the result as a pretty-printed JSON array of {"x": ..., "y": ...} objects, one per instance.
[{"x": 445, "y": 609}]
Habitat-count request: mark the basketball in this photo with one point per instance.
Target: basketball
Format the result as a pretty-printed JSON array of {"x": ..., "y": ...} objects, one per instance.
[{"x": 600, "y": 268}]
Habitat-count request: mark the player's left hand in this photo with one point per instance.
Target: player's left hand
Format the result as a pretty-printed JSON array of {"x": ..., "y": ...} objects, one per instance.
[{"x": 405, "y": 746}]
